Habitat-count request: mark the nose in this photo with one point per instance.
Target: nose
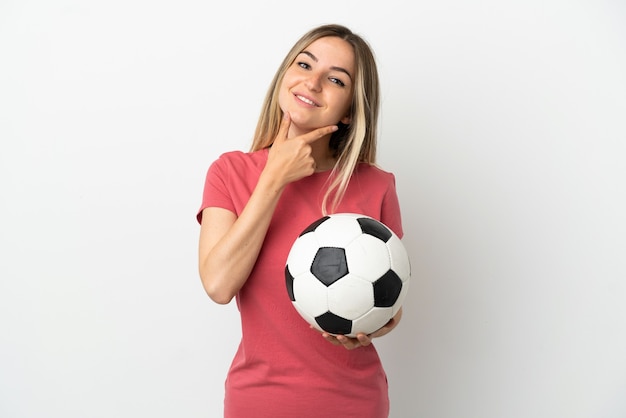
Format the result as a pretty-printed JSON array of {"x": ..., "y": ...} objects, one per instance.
[{"x": 314, "y": 82}]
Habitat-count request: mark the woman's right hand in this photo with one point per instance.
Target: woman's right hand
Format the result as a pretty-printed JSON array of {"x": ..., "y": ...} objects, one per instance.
[{"x": 291, "y": 159}]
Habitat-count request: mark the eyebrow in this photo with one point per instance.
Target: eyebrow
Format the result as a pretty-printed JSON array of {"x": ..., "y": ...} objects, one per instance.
[{"x": 340, "y": 69}]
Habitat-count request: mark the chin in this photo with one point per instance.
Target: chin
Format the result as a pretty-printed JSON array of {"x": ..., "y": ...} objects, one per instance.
[{"x": 302, "y": 122}]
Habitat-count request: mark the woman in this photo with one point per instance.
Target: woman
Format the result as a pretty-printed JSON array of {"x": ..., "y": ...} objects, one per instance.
[{"x": 313, "y": 153}]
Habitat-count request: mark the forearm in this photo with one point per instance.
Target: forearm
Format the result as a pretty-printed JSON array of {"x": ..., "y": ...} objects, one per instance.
[{"x": 228, "y": 252}]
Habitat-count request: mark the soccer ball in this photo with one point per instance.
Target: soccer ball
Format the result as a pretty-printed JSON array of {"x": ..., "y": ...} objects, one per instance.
[{"x": 347, "y": 273}]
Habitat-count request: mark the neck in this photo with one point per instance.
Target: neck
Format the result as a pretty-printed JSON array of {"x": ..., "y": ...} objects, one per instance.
[
  {"x": 323, "y": 155},
  {"x": 320, "y": 150}
]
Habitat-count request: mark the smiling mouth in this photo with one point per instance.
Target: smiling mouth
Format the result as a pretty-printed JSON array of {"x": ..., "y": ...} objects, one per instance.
[{"x": 305, "y": 100}]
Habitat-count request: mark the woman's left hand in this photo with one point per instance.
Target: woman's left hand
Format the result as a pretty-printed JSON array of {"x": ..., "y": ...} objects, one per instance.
[
  {"x": 362, "y": 340},
  {"x": 349, "y": 343}
]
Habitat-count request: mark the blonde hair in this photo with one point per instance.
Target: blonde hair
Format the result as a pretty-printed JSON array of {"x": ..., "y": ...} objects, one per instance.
[{"x": 352, "y": 144}]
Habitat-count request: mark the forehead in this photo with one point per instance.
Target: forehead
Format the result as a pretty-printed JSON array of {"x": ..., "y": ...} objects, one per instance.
[{"x": 333, "y": 51}]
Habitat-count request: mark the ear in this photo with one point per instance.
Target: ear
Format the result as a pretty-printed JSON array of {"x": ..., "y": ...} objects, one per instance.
[{"x": 346, "y": 119}]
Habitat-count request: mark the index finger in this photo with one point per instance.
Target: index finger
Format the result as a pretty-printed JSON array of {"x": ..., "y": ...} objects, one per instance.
[
  {"x": 319, "y": 133},
  {"x": 284, "y": 128}
]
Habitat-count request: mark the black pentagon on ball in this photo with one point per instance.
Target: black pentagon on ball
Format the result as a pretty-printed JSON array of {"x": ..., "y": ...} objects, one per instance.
[
  {"x": 373, "y": 227},
  {"x": 387, "y": 289},
  {"x": 289, "y": 280},
  {"x": 314, "y": 225},
  {"x": 329, "y": 265},
  {"x": 334, "y": 324}
]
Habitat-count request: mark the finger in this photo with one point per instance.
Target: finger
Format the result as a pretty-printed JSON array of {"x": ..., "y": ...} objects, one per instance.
[
  {"x": 330, "y": 338},
  {"x": 319, "y": 133},
  {"x": 364, "y": 339},
  {"x": 283, "y": 130},
  {"x": 348, "y": 343}
]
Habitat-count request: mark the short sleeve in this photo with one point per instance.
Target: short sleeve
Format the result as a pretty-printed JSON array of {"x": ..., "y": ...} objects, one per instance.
[
  {"x": 390, "y": 214},
  {"x": 216, "y": 191}
]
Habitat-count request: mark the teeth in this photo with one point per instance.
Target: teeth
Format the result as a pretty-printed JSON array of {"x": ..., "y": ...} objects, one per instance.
[{"x": 305, "y": 100}]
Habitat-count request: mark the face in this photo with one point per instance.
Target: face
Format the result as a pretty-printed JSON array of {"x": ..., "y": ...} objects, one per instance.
[{"x": 317, "y": 88}]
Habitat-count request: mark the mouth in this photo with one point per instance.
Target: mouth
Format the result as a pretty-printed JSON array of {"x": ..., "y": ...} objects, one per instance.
[{"x": 306, "y": 100}]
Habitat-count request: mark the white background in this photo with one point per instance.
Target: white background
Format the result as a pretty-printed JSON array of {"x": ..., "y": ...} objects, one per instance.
[{"x": 504, "y": 123}]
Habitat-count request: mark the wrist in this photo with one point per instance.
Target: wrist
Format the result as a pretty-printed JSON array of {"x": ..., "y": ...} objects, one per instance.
[{"x": 269, "y": 184}]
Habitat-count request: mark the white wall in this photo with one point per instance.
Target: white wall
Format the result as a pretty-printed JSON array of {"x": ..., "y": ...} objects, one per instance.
[{"x": 503, "y": 121}]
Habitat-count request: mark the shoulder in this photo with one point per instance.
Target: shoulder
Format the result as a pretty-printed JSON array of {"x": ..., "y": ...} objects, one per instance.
[
  {"x": 242, "y": 159},
  {"x": 239, "y": 162},
  {"x": 374, "y": 174}
]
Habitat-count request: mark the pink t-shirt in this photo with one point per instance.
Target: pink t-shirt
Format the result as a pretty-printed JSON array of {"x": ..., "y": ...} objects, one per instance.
[{"x": 282, "y": 367}]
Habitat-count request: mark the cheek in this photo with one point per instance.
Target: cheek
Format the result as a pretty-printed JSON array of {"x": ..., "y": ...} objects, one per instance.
[
  {"x": 343, "y": 105},
  {"x": 283, "y": 92},
  {"x": 283, "y": 96},
  {"x": 288, "y": 81}
]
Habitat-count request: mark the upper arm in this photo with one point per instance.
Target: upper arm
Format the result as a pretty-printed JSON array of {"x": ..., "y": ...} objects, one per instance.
[
  {"x": 215, "y": 223},
  {"x": 391, "y": 215}
]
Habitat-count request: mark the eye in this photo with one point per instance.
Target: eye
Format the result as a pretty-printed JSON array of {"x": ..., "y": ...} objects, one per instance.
[
  {"x": 337, "y": 81},
  {"x": 304, "y": 65}
]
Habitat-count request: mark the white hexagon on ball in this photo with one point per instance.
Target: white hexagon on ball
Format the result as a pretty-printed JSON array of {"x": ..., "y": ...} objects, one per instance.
[
  {"x": 374, "y": 320},
  {"x": 351, "y": 297},
  {"x": 310, "y": 294},
  {"x": 368, "y": 257},
  {"x": 338, "y": 233}
]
